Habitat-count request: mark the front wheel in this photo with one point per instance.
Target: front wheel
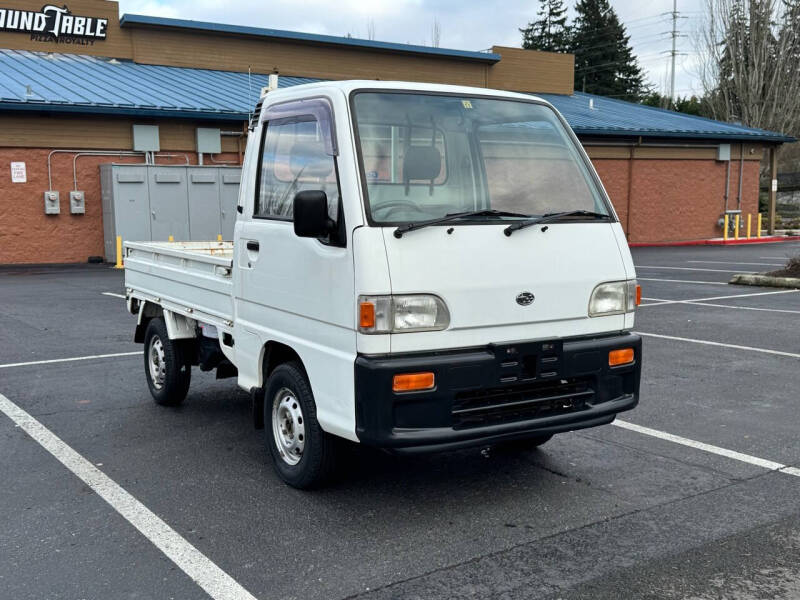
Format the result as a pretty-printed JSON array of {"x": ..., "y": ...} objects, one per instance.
[
  {"x": 304, "y": 456},
  {"x": 166, "y": 365}
]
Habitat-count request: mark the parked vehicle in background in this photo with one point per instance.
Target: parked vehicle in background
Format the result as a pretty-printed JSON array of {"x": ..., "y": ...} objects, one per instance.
[{"x": 414, "y": 267}]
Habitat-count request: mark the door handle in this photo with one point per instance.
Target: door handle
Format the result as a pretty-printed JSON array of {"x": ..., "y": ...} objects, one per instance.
[{"x": 253, "y": 245}]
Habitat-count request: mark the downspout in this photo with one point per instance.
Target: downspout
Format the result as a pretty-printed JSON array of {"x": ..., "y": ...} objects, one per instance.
[
  {"x": 741, "y": 167},
  {"x": 630, "y": 192},
  {"x": 727, "y": 185}
]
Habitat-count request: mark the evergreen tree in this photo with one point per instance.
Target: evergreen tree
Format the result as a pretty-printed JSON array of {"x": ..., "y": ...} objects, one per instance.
[
  {"x": 604, "y": 60},
  {"x": 550, "y": 31}
]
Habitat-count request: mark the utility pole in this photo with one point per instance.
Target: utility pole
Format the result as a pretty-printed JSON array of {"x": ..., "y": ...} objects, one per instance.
[{"x": 674, "y": 51}]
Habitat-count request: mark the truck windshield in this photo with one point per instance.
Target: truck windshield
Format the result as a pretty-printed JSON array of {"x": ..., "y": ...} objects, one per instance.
[{"x": 425, "y": 156}]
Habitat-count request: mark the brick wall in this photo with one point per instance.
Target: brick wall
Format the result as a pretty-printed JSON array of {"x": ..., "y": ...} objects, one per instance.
[
  {"x": 673, "y": 200},
  {"x": 27, "y": 235},
  {"x": 669, "y": 200}
]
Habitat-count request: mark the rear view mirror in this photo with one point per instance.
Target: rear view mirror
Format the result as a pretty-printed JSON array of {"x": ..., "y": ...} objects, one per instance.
[{"x": 311, "y": 214}]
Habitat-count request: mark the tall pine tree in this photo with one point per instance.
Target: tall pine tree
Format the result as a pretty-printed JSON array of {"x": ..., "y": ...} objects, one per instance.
[
  {"x": 550, "y": 31},
  {"x": 604, "y": 60}
]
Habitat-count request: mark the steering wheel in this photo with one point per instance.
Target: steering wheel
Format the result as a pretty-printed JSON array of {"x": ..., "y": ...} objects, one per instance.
[{"x": 393, "y": 205}]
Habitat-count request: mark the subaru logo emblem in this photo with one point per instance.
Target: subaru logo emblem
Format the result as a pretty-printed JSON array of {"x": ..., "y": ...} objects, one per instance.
[{"x": 525, "y": 298}]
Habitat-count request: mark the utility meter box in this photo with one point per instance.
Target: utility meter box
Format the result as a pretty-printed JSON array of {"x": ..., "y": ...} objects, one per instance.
[
  {"x": 77, "y": 203},
  {"x": 209, "y": 141},
  {"x": 145, "y": 138},
  {"x": 52, "y": 205},
  {"x": 724, "y": 152}
]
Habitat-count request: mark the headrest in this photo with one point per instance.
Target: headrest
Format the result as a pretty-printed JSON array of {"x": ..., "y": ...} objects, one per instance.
[
  {"x": 310, "y": 158},
  {"x": 422, "y": 162}
]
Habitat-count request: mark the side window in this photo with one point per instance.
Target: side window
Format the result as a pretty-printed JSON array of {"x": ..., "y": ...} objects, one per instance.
[{"x": 293, "y": 159}]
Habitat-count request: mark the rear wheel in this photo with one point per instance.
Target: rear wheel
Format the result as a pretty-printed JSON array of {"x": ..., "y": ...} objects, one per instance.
[
  {"x": 166, "y": 365},
  {"x": 304, "y": 456}
]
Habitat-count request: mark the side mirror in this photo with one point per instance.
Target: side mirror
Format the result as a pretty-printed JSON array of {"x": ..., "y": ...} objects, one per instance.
[{"x": 311, "y": 214}]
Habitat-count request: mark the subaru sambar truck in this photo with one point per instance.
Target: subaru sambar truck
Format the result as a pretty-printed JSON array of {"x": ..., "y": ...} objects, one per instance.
[{"x": 414, "y": 267}]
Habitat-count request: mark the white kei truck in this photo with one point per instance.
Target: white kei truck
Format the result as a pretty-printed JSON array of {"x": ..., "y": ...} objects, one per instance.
[{"x": 415, "y": 267}]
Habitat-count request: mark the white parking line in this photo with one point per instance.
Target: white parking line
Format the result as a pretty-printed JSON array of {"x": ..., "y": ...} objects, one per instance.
[
  {"x": 730, "y": 262},
  {"x": 710, "y": 343},
  {"x": 74, "y": 358},
  {"x": 216, "y": 582},
  {"x": 683, "y": 281},
  {"x": 113, "y": 294},
  {"x": 692, "y": 269},
  {"x": 775, "y": 310},
  {"x": 702, "y": 301},
  {"x": 746, "y": 458}
]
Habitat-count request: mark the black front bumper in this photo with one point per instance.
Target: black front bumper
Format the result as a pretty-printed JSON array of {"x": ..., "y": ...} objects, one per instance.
[{"x": 495, "y": 393}]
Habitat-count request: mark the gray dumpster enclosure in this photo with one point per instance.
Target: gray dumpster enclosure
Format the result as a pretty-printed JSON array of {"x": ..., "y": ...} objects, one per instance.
[{"x": 152, "y": 202}]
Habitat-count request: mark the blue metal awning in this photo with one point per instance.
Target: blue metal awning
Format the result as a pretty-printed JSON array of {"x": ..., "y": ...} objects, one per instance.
[{"x": 71, "y": 83}]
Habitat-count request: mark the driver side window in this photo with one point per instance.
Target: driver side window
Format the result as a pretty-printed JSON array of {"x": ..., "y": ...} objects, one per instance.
[{"x": 293, "y": 159}]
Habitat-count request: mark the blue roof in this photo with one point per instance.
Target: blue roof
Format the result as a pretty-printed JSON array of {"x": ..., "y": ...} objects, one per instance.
[
  {"x": 126, "y": 19},
  {"x": 42, "y": 81},
  {"x": 608, "y": 116}
]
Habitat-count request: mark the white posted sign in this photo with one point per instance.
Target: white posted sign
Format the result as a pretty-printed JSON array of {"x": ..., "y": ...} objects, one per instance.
[{"x": 18, "y": 172}]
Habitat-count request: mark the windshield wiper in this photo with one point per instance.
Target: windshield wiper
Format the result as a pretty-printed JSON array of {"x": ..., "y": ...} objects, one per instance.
[
  {"x": 486, "y": 212},
  {"x": 550, "y": 217}
]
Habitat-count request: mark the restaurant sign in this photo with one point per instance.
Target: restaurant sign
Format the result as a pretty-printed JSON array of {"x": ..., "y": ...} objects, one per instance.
[{"x": 54, "y": 24}]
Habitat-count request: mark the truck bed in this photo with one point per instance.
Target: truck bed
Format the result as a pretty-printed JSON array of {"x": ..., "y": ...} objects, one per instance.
[{"x": 189, "y": 278}]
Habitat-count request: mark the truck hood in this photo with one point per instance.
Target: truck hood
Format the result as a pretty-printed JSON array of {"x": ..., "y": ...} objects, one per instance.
[{"x": 479, "y": 272}]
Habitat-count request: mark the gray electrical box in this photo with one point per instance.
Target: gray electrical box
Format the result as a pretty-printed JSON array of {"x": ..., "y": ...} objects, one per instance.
[
  {"x": 143, "y": 203},
  {"x": 209, "y": 141},
  {"x": 77, "y": 203},
  {"x": 724, "y": 152},
  {"x": 145, "y": 138},
  {"x": 52, "y": 205}
]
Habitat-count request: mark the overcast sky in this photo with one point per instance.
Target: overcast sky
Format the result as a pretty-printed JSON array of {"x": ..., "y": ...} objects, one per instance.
[{"x": 465, "y": 24}]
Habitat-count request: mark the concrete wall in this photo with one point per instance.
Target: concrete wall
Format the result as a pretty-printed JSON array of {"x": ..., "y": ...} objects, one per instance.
[{"x": 27, "y": 235}]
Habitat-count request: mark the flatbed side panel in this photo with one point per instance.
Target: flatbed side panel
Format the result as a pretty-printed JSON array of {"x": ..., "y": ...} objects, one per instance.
[{"x": 186, "y": 281}]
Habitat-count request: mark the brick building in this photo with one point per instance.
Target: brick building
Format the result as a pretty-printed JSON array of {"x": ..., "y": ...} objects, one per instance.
[{"x": 75, "y": 80}]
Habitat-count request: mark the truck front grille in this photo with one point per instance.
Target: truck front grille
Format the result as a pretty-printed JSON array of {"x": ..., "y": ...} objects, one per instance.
[{"x": 520, "y": 402}]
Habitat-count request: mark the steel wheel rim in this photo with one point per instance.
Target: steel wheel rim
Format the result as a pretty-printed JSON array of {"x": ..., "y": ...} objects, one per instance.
[
  {"x": 156, "y": 362},
  {"x": 288, "y": 426}
]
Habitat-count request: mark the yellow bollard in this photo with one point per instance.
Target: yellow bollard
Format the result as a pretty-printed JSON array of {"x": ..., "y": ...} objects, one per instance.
[
  {"x": 119, "y": 253},
  {"x": 749, "y": 218},
  {"x": 219, "y": 237},
  {"x": 725, "y": 229},
  {"x": 758, "y": 231},
  {"x": 736, "y": 228},
  {"x": 171, "y": 239}
]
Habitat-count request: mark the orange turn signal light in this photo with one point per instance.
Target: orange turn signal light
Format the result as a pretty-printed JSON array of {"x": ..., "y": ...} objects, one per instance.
[
  {"x": 366, "y": 315},
  {"x": 410, "y": 382},
  {"x": 638, "y": 295},
  {"x": 623, "y": 356}
]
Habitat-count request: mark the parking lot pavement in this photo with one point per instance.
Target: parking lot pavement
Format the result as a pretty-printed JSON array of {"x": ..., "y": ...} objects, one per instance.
[{"x": 668, "y": 511}]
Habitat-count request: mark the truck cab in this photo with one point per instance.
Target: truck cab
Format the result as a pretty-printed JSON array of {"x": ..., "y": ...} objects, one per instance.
[{"x": 415, "y": 267}]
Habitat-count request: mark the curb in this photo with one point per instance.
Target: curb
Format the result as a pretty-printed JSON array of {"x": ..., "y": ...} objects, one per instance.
[
  {"x": 717, "y": 242},
  {"x": 766, "y": 280}
]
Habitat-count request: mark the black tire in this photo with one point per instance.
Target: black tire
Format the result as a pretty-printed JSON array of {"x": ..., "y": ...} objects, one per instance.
[
  {"x": 304, "y": 456},
  {"x": 530, "y": 443},
  {"x": 173, "y": 363}
]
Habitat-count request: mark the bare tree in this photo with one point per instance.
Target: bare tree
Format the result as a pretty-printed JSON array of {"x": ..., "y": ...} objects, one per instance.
[
  {"x": 750, "y": 69},
  {"x": 436, "y": 33},
  {"x": 370, "y": 29}
]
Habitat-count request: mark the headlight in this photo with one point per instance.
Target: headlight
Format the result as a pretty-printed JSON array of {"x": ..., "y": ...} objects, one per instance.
[
  {"x": 613, "y": 298},
  {"x": 400, "y": 314}
]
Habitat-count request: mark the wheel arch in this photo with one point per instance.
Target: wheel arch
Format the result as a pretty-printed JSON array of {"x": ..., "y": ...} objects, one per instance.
[{"x": 273, "y": 354}]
